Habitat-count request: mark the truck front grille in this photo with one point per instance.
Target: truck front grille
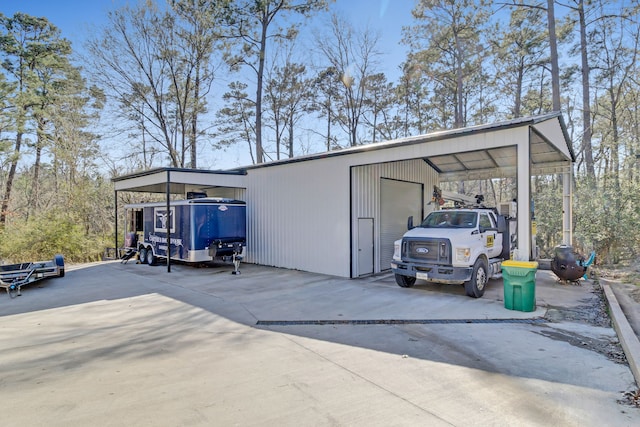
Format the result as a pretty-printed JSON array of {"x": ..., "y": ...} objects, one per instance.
[{"x": 426, "y": 250}]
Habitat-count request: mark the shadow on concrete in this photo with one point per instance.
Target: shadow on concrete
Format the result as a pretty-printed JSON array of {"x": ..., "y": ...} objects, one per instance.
[{"x": 550, "y": 350}]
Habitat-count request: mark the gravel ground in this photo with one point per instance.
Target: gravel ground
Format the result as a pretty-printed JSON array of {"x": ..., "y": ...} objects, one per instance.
[{"x": 593, "y": 311}]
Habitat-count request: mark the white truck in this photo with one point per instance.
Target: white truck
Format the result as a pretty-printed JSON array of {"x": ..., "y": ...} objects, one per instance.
[{"x": 456, "y": 246}]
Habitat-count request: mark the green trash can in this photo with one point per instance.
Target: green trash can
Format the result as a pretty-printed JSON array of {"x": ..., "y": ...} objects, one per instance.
[{"x": 519, "y": 279}]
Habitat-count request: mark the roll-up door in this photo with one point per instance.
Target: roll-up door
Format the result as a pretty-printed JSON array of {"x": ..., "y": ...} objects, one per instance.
[{"x": 398, "y": 201}]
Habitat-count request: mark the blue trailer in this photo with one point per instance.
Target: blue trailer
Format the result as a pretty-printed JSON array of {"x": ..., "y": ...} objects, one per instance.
[{"x": 200, "y": 230}]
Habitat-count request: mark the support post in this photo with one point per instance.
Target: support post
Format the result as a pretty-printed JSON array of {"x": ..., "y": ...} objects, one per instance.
[
  {"x": 523, "y": 178},
  {"x": 115, "y": 197},
  {"x": 567, "y": 209},
  {"x": 169, "y": 221}
]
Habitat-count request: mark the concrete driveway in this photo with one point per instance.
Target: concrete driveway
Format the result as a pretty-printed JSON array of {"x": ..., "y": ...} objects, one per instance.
[{"x": 128, "y": 345}]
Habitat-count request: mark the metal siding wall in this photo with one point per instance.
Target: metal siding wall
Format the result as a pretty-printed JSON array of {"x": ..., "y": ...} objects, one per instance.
[
  {"x": 299, "y": 212},
  {"x": 366, "y": 195},
  {"x": 298, "y": 216},
  {"x": 240, "y": 193},
  {"x": 227, "y": 192}
]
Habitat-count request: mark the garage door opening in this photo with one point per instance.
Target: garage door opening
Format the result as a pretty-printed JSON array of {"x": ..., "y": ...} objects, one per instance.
[{"x": 398, "y": 201}]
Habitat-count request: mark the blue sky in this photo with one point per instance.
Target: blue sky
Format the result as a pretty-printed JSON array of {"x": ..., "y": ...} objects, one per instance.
[
  {"x": 73, "y": 17},
  {"x": 77, "y": 19}
]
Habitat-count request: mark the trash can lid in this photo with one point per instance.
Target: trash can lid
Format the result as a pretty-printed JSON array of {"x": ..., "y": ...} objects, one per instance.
[{"x": 522, "y": 264}]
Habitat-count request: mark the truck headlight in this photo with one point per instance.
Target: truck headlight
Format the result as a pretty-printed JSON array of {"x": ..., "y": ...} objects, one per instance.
[
  {"x": 463, "y": 254},
  {"x": 396, "y": 249}
]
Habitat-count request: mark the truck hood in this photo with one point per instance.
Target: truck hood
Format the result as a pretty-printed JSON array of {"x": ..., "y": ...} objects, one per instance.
[{"x": 456, "y": 234}]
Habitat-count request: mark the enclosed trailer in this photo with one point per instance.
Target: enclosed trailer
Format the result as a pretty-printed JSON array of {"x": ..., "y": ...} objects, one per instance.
[{"x": 197, "y": 230}]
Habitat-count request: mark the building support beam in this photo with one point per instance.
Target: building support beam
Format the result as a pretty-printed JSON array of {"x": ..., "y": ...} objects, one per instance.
[
  {"x": 169, "y": 219},
  {"x": 567, "y": 206},
  {"x": 523, "y": 182},
  {"x": 115, "y": 215}
]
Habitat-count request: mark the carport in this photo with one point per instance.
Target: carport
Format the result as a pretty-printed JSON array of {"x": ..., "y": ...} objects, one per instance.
[
  {"x": 338, "y": 212},
  {"x": 179, "y": 181},
  {"x": 518, "y": 148},
  {"x": 547, "y": 152}
]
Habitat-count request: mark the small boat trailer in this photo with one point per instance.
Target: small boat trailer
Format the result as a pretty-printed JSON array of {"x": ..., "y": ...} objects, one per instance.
[{"x": 14, "y": 276}]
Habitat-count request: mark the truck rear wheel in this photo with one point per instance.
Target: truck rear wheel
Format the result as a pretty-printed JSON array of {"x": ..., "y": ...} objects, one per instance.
[
  {"x": 405, "y": 281},
  {"x": 475, "y": 286}
]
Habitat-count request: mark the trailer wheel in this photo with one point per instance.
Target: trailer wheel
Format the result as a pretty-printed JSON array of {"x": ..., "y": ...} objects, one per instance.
[
  {"x": 405, "y": 281},
  {"x": 475, "y": 286},
  {"x": 142, "y": 255},
  {"x": 13, "y": 291},
  {"x": 151, "y": 258},
  {"x": 58, "y": 260}
]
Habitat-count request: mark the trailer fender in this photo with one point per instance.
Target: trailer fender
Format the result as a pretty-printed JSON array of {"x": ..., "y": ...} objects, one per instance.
[{"x": 58, "y": 260}]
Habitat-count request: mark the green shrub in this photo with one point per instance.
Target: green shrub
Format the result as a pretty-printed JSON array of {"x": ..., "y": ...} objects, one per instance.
[{"x": 41, "y": 238}]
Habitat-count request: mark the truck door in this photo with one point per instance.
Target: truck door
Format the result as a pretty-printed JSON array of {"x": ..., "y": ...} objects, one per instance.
[{"x": 490, "y": 236}]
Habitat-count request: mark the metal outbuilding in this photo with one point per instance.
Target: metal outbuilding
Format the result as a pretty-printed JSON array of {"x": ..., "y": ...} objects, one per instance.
[{"x": 339, "y": 212}]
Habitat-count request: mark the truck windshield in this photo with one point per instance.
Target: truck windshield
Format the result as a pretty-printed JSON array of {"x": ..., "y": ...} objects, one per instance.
[{"x": 450, "y": 219}]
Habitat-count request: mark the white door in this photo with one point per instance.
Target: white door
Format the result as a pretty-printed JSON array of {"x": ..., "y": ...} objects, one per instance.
[
  {"x": 398, "y": 201},
  {"x": 365, "y": 246}
]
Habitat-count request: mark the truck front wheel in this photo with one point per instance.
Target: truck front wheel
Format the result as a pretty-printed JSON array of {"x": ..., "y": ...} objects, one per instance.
[
  {"x": 405, "y": 281},
  {"x": 475, "y": 286}
]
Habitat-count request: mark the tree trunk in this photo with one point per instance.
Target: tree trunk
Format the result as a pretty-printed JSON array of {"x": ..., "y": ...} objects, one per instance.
[
  {"x": 459, "y": 122},
  {"x": 194, "y": 120},
  {"x": 263, "y": 48},
  {"x": 553, "y": 44},
  {"x": 35, "y": 185},
  {"x": 291, "y": 136},
  {"x": 329, "y": 125},
  {"x": 278, "y": 138},
  {"x": 586, "y": 98},
  {"x": 9, "y": 185},
  {"x": 518, "y": 106}
]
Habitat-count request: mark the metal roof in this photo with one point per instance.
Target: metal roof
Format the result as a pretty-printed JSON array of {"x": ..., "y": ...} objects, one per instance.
[
  {"x": 548, "y": 155},
  {"x": 182, "y": 180}
]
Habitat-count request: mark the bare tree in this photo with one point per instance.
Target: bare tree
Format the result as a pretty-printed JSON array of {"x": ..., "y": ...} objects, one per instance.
[
  {"x": 326, "y": 84},
  {"x": 156, "y": 66},
  {"x": 287, "y": 93},
  {"x": 197, "y": 38},
  {"x": 380, "y": 104},
  {"x": 354, "y": 55},
  {"x": 236, "y": 120},
  {"x": 251, "y": 22},
  {"x": 587, "y": 130},
  {"x": 416, "y": 114}
]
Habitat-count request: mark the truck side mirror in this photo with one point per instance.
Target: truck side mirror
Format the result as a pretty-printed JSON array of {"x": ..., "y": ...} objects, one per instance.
[
  {"x": 410, "y": 222},
  {"x": 485, "y": 229},
  {"x": 502, "y": 224}
]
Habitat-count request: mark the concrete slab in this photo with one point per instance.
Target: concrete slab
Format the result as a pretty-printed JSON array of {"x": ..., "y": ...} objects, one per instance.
[{"x": 127, "y": 344}]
